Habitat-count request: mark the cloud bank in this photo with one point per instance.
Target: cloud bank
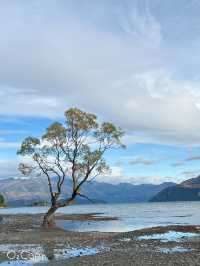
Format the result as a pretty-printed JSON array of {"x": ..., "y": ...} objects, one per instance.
[{"x": 124, "y": 60}]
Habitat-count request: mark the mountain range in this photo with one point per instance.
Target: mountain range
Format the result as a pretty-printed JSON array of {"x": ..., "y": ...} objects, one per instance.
[
  {"x": 23, "y": 192},
  {"x": 188, "y": 190}
]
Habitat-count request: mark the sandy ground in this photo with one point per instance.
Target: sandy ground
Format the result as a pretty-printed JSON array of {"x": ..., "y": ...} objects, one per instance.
[{"x": 120, "y": 248}]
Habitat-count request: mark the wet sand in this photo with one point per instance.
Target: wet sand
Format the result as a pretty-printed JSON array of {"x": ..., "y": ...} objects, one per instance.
[
  {"x": 85, "y": 217},
  {"x": 116, "y": 248}
]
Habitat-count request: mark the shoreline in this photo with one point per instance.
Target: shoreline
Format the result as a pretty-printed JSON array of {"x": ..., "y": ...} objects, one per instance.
[
  {"x": 98, "y": 216},
  {"x": 117, "y": 248}
]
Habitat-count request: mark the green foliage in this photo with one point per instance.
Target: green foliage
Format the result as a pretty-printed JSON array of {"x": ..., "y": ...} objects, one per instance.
[
  {"x": 28, "y": 146},
  {"x": 77, "y": 120},
  {"x": 55, "y": 132},
  {"x": 2, "y": 201}
]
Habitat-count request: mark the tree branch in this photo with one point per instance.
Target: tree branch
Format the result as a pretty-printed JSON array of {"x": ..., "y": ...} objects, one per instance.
[{"x": 84, "y": 196}]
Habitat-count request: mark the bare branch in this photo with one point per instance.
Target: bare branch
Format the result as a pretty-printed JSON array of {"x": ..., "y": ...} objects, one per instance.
[
  {"x": 84, "y": 196},
  {"x": 48, "y": 178}
]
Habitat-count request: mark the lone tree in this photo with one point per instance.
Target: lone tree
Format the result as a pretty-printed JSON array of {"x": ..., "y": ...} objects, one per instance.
[{"x": 73, "y": 150}]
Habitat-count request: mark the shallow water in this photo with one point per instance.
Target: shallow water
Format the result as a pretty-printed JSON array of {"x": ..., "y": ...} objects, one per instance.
[
  {"x": 174, "y": 250},
  {"x": 168, "y": 236},
  {"x": 131, "y": 216},
  {"x": 15, "y": 254}
]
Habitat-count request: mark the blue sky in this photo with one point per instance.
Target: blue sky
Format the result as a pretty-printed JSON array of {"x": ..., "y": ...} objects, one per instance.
[{"x": 135, "y": 63}]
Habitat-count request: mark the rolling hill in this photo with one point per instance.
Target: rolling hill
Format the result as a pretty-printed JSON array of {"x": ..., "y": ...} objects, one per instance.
[
  {"x": 188, "y": 190},
  {"x": 19, "y": 192}
]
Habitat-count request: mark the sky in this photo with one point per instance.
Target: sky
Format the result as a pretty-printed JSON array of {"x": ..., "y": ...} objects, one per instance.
[{"x": 132, "y": 62}]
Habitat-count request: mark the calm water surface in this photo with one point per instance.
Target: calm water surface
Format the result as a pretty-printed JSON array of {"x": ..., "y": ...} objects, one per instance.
[{"x": 131, "y": 216}]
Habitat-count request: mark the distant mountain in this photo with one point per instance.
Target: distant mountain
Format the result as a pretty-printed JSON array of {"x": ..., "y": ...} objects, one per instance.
[
  {"x": 123, "y": 192},
  {"x": 188, "y": 190},
  {"x": 20, "y": 192}
]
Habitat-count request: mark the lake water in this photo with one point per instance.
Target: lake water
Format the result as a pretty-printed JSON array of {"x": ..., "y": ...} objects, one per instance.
[{"x": 131, "y": 216}]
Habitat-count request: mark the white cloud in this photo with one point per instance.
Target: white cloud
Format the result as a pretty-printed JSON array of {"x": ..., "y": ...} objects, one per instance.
[
  {"x": 117, "y": 175},
  {"x": 150, "y": 179},
  {"x": 9, "y": 145},
  {"x": 121, "y": 61},
  {"x": 114, "y": 175},
  {"x": 141, "y": 161},
  {"x": 9, "y": 168}
]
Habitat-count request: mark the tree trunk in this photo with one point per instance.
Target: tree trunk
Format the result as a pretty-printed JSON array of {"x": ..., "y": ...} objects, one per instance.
[{"x": 49, "y": 217}]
